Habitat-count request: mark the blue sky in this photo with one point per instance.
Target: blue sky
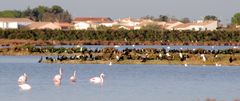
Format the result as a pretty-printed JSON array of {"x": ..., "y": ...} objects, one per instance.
[{"x": 194, "y": 9}]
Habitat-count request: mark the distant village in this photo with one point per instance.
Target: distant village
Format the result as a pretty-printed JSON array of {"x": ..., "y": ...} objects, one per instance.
[{"x": 85, "y": 23}]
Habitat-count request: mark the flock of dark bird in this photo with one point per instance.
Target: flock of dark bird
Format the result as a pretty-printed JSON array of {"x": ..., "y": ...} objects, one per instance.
[{"x": 136, "y": 54}]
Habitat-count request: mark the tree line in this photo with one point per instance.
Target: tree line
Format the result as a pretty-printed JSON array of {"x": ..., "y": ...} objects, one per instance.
[
  {"x": 40, "y": 13},
  {"x": 123, "y": 35}
]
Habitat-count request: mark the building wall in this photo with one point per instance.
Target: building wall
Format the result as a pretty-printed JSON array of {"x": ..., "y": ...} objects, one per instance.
[
  {"x": 107, "y": 24},
  {"x": 196, "y": 28},
  {"x": 2, "y": 25},
  {"x": 81, "y": 25},
  {"x": 137, "y": 27},
  {"x": 212, "y": 26},
  {"x": 130, "y": 23},
  {"x": 9, "y": 25},
  {"x": 180, "y": 29}
]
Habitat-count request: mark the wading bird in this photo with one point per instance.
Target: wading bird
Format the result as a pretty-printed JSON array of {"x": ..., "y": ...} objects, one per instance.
[
  {"x": 57, "y": 78},
  {"x": 22, "y": 79},
  {"x": 73, "y": 78},
  {"x": 22, "y": 82},
  {"x": 97, "y": 80},
  {"x": 203, "y": 57}
]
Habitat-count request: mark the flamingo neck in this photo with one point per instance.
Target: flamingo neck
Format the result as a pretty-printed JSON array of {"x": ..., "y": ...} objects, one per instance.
[
  {"x": 74, "y": 74},
  {"x": 101, "y": 77},
  {"x": 60, "y": 71},
  {"x": 25, "y": 75}
]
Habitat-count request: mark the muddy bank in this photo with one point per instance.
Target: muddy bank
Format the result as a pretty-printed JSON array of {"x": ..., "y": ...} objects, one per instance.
[
  {"x": 166, "y": 62},
  {"x": 79, "y": 55}
]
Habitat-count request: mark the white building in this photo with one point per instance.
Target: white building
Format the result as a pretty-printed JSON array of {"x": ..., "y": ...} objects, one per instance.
[
  {"x": 129, "y": 27},
  {"x": 81, "y": 23},
  {"x": 198, "y": 26},
  {"x": 14, "y": 23},
  {"x": 108, "y": 24},
  {"x": 129, "y": 22}
]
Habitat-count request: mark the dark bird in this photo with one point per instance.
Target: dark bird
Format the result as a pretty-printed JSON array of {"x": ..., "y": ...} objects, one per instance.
[{"x": 39, "y": 61}]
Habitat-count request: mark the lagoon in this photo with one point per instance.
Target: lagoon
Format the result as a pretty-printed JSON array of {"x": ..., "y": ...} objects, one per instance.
[
  {"x": 122, "y": 47},
  {"x": 122, "y": 82}
]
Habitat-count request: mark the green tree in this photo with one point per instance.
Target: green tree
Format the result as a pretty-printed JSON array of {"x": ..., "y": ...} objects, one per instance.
[
  {"x": 49, "y": 17},
  {"x": 29, "y": 13},
  {"x": 210, "y": 17},
  {"x": 65, "y": 17},
  {"x": 11, "y": 14},
  {"x": 56, "y": 9},
  {"x": 236, "y": 19},
  {"x": 185, "y": 20},
  {"x": 163, "y": 18},
  {"x": 40, "y": 13}
]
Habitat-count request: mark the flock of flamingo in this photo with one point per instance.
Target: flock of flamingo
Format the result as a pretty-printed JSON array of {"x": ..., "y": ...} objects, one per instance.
[{"x": 22, "y": 80}]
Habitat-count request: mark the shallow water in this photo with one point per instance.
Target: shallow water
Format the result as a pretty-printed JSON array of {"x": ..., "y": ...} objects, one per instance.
[
  {"x": 119, "y": 47},
  {"x": 121, "y": 83}
]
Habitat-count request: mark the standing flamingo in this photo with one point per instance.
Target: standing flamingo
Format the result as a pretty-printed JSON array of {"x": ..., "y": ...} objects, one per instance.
[
  {"x": 73, "y": 78},
  {"x": 22, "y": 79},
  {"x": 97, "y": 80},
  {"x": 57, "y": 78},
  {"x": 22, "y": 82}
]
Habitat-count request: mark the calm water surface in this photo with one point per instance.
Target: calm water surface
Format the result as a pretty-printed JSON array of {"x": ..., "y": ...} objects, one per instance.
[
  {"x": 119, "y": 47},
  {"x": 122, "y": 82}
]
